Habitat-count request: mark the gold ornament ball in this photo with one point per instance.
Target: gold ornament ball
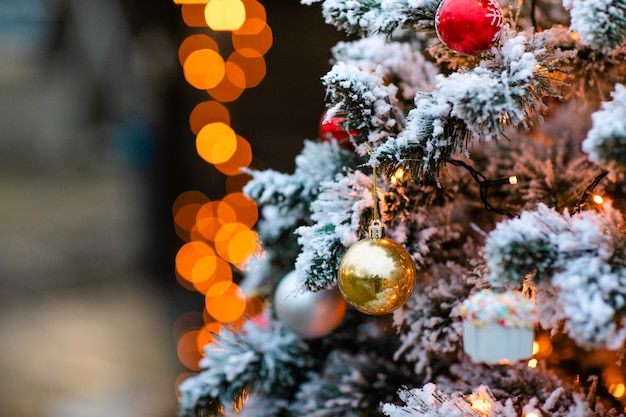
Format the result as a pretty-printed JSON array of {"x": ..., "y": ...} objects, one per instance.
[{"x": 376, "y": 276}]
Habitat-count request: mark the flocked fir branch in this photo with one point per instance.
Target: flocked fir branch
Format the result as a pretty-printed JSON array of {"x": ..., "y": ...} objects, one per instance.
[
  {"x": 283, "y": 201},
  {"x": 581, "y": 255},
  {"x": 340, "y": 214},
  {"x": 606, "y": 140},
  {"x": 429, "y": 327},
  {"x": 368, "y": 17},
  {"x": 261, "y": 358},
  {"x": 349, "y": 385},
  {"x": 431, "y": 402},
  {"x": 372, "y": 109},
  {"x": 600, "y": 24},
  {"x": 509, "y": 391},
  {"x": 415, "y": 119},
  {"x": 401, "y": 61},
  {"x": 470, "y": 106}
]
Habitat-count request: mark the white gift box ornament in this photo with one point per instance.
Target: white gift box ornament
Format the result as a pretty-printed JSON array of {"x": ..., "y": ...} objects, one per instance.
[{"x": 498, "y": 327}]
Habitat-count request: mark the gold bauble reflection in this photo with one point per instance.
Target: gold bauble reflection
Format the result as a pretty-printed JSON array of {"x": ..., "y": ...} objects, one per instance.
[{"x": 376, "y": 276}]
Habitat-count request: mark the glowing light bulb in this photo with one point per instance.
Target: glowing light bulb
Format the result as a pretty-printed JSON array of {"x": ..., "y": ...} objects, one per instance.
[
  {"x": 535, "y": 348},
  {"x": 481, "y": 404},
  {"x": 513, "y": 180},
  {"x": 397, "y": 176},
  {"x": 617, "y": 390},
  {"x": 532, "y": 363},
  {"x": 532, "y": 415},
  {"x": 598, "y": 199}
]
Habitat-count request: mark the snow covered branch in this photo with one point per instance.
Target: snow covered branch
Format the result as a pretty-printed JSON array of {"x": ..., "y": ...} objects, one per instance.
[
  {"x": 340, "y": 213},
  {"x": 581, "y": 256},
  {"x": 600, "y": 24},
  {"x": 371, "y": 107},
  {"x": 401, "y": 62},
  {"x": 366, "y": 17},
  {"x": 472, "y": 105},
  {"x": 606, "y": 140},
  {"x": 283, "y": 201},
  {"x": 260, "y": 358}
]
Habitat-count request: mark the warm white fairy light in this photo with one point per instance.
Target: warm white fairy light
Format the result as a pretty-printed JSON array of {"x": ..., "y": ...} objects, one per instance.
[
  {"x": 480, "y": 403},
  {"x": 617, "y": 390},
  {"x": 535, "y": 347},
  {"x": 532, "y": 363},
  {"x": 513, "y": 180},
  {"x": 397, "y": 176},
  {"x": 598, "y": 199}
]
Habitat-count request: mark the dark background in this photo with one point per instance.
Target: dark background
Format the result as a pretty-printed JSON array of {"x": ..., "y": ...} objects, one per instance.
[{"x": 95, "y": 146}]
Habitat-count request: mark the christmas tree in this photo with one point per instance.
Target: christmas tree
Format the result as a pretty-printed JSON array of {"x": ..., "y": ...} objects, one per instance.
[{"x": 453, "y": 242}]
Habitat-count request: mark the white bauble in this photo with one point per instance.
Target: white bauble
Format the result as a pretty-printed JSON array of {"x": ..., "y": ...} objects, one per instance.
[{"x": 309, "y": 314}]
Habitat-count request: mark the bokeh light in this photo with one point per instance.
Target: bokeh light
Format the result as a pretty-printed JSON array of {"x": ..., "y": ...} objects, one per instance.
[
  {"x": 194, "y": 43},
  {"x": 206, "y": 335},
  {"x": 204, "y": 69},
  {"x": 208, "y": 222},
  {"x": 254, "y": 10},
  {"x": 218, "y": 234},
  {"x": 216, "y": 142},
  {"x": 228, "y": 306},
  {"x": 245, "y": 208},
  {"x": 207, "y": 112},
  {"x": 185, "y": 218},
  {"x": 187, "y": 350},
  {"x": 184, "y": 212},
  {"x": 236, "y": 243},
  {"x": 240, "y": 159},
  {"x": 226, "y": 213},
  {"x": 225, "y": 15},
  {"x": 222, "y": 276},
  {"x": 189, "y": 255},
  {"x": 254, "y": 38},
  {"x": 232, "y": 85},
  {"x": 235, "y": 75},
  {"x": 252, "y": 64},
  {"x": 617, "y": 390},
  {"x": 193, "y": 14}
]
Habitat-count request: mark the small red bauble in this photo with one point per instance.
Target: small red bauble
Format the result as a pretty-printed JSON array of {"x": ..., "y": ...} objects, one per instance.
[
  {"x": 468, "y": 26},
  {"x": 332, "y": 129}
]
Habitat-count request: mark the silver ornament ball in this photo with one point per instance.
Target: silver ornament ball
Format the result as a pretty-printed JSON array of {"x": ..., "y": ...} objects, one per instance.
[{"x": 309, "y": 314}]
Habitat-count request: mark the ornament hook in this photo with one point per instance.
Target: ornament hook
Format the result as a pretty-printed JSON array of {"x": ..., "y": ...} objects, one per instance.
[{"x": 376, "y": 227}]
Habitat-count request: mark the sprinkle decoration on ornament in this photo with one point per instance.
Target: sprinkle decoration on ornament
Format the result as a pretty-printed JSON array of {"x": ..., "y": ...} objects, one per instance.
[
  {"x": 308, "y": 314},
  {"x": 508, "y": 309},
  {"x": 331, "y": 128},
  {"x": 498, "y": 327},
  {"x": 468, "y": 27},
  {"x": 376, "y": 275}
]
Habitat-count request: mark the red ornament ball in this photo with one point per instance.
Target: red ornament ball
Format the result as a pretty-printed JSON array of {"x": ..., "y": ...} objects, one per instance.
[
  {"x": 468, "y": 26},
  {"x": 331, "y": 129}
]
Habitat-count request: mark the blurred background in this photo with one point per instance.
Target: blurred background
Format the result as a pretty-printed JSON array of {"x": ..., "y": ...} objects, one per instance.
[{"x": 95, "y": 146}]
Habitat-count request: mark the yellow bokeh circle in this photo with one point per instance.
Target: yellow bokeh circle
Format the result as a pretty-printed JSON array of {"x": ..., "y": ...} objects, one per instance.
[
  {"x": 216, "y": 142},
  {"x": 204, "y": 68},
  {"x": 225, "y": 15}
]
